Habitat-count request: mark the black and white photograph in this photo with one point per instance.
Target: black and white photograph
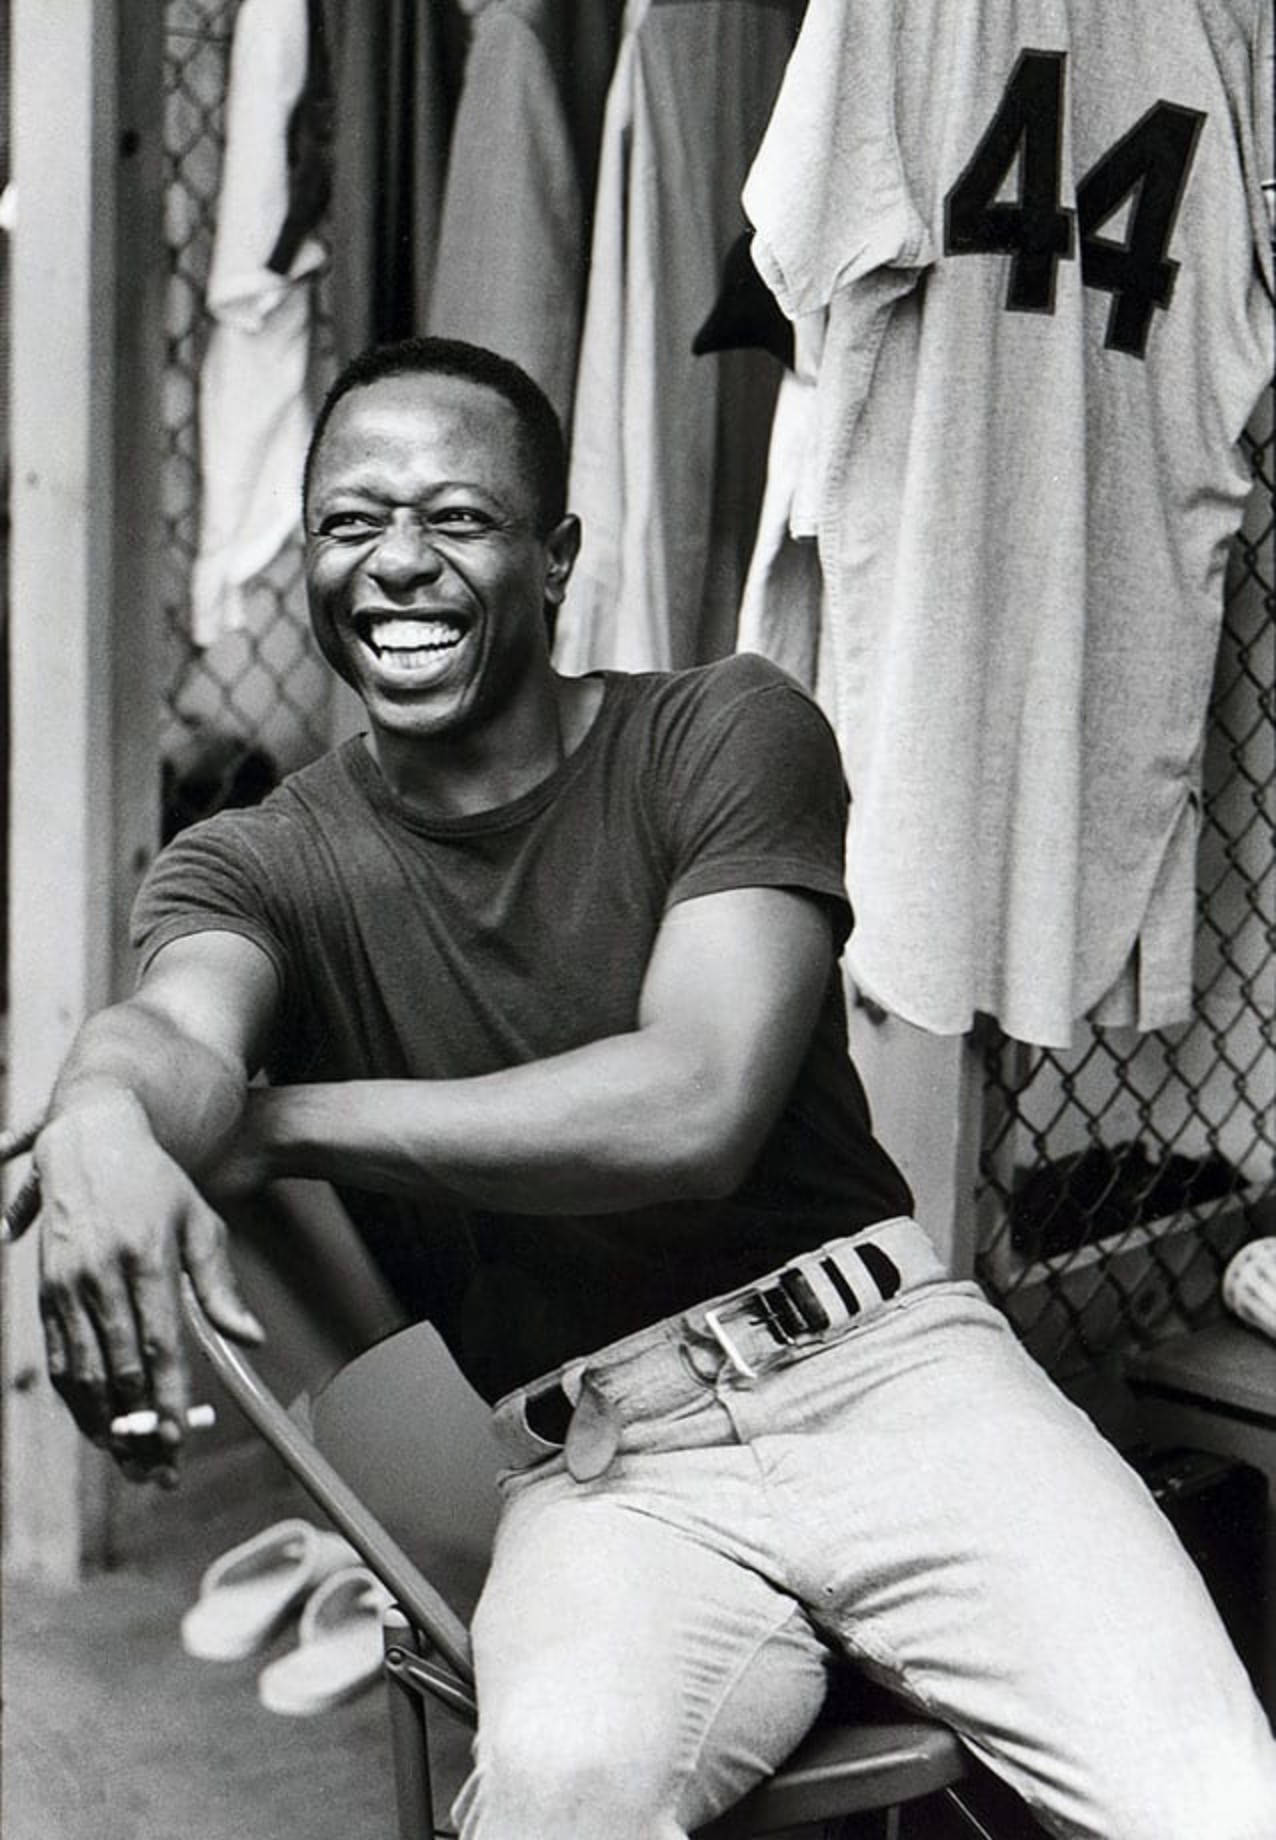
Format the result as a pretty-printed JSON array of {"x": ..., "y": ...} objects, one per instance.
[{"x": 638, "y": 919}]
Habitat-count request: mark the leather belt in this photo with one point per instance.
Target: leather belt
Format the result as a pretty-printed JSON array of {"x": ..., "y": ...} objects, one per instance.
[{"x": 731, "y": 1341}]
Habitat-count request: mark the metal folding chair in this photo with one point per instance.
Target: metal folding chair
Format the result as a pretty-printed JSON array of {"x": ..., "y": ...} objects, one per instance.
[{"x": 399, "y": 1456}]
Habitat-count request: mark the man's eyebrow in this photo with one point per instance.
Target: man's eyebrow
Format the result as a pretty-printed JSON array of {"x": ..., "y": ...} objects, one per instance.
[{"x": 374, "y": 485}]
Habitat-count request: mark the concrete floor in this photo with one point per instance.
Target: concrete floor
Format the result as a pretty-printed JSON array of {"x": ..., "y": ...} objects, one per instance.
[{"x": 111, "y": 1732}]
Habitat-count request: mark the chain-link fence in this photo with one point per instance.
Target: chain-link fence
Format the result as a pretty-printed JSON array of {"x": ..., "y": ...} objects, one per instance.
[
  {"x": 1117, "y": 1178},
  {"x": 254, "y": 704}
]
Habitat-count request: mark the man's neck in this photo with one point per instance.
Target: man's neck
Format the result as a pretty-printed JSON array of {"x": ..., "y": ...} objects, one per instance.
[{"x": 458, "y": 776}]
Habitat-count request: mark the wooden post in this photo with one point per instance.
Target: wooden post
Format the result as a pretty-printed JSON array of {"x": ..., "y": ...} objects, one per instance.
[
  {"x": 926, "y": 1094},
  {"x": 87, "y": 275}
]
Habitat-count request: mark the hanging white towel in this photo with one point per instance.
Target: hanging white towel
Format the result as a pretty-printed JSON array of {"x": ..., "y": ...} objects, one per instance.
[{"x": 254, "y": 415}]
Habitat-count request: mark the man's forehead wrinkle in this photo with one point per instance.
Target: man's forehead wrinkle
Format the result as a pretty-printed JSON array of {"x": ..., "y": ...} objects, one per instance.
[
  {"x": 473, "y": 407},
  {"x": 373, "y": 476},
  {"x": 373, "y": 422}
]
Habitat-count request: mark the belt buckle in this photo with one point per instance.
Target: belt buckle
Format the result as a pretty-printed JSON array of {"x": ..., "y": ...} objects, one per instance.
[
  {"x": 768, "y": 1308},
  {"x": 717, "y": 1329}
]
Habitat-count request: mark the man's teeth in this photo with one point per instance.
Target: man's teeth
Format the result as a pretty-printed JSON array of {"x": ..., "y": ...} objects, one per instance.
[{"x": 414, "y": 635}]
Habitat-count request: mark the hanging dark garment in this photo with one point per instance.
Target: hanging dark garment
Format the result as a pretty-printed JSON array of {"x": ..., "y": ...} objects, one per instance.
[
  {"x": 309, "y": 146},
  {"x": 746, "y": 315},
  {"x": 396, "y": 67},
  {"x": 589, "y": 38}
]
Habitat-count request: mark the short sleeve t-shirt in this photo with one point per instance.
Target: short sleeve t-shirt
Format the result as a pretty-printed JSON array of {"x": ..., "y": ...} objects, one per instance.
[{"x": 413, "y": 947}]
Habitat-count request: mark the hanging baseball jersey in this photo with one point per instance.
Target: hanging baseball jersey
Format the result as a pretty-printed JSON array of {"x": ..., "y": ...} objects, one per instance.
[{"x": 1039, "y": 230}]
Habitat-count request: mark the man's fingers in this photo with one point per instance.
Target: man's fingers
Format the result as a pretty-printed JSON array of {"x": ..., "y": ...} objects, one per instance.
[
  {"x": 206, "y": 1258},
  {"x": 112, "y": 1316},
  {"x": 152, "y": 1467},
  {"x": 76, "y": 1367},
  {"x": 56, "y": 1352},
  {"x": 154, "y": 1298},
  {"x": 114, "y": 1347}
]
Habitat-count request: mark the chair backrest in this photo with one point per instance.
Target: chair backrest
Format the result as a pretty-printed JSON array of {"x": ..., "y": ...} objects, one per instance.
[
  {"x": 456, "y": 1528},
  {"x": 414, "y": 1441}
]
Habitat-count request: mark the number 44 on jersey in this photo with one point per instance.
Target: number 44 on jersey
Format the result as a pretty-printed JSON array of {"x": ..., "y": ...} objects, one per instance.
[{"x": 1149, "y": 166}]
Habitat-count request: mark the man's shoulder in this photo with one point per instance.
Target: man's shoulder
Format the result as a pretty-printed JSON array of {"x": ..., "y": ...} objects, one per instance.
[
  {"x": 330, "y": 779},
  {"x": 291, "y": 806},
  {"x": 739, "y": 720},
  {"x": 709, "y": 689}
]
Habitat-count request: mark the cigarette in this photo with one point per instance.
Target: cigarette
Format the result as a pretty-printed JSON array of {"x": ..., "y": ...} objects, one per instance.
[{"x": 146, "y": 1422}]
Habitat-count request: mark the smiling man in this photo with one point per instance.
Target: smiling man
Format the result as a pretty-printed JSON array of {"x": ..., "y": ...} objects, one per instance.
[
  {"x": 543, "y": 970},
  {"x": 430, "y": 570}
]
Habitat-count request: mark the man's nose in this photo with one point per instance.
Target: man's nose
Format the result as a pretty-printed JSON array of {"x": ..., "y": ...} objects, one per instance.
[{"x": 404, "y": 551}]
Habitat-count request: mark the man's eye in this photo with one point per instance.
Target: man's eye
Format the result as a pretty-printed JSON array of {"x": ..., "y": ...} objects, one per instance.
[
  {"x": 461, "y": 517},
  {"x": 347, "y": 524}
]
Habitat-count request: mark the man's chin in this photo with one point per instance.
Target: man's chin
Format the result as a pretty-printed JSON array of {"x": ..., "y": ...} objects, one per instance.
[{"x": 437, "y": 717}]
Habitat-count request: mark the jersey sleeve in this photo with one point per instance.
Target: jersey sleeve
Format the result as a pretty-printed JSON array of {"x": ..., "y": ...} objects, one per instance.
[
  {"x": 756, "y": 796},
  {"x": 827, "y": 193},
  {"x": 209, "y": 880}
]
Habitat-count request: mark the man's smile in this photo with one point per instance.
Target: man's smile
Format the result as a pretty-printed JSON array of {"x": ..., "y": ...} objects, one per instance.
[{"x": 410, "y": 642}]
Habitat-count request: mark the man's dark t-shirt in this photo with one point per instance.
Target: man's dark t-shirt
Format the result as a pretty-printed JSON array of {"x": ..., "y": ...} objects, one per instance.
[{"x": 424, "y": 948}]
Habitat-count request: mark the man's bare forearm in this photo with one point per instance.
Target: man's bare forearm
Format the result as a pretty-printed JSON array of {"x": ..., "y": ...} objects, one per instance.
[
  {"x": 133, "y": 1061},
  {"x": 676, "y": 1109},
  {"x": 619, "y": 1124}
]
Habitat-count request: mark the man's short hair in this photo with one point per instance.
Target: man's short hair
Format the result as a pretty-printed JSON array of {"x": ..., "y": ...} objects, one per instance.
[{"x": 539, "y": 426}]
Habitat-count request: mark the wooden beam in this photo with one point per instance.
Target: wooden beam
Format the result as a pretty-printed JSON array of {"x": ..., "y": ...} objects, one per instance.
[
  {"x": 87, "y": 262},
  {"x": 926, "y": 1094}
]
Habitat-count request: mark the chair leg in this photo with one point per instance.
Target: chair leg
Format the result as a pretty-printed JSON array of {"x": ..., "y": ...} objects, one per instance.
[
  {"x": 409, "y": 1748},
  {"x": 949, "y": 1815}
]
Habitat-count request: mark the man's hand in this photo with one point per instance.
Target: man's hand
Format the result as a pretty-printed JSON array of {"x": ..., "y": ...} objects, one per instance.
[{"x": 119, "y": 1219}]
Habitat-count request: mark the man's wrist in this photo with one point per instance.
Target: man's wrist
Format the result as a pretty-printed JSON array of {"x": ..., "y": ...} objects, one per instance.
[{"x": 91, "y": 1107}]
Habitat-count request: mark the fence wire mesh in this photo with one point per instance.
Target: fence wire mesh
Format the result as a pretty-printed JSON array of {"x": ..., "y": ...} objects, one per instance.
[
  {"x": 1116, "y": 1178},
  {"x": 254, "y": 704}
]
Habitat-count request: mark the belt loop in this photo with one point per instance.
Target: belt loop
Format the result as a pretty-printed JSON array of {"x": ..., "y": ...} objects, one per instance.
[
  {"x": 881, "y": 1268},
  {"x": 837, "y": 1278}
]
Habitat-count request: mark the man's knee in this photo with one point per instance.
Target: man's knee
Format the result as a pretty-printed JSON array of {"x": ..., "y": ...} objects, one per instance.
[
  {"x": 539, "y": 1774},
  {"x": 1226, "y": 1808},
  {"x": 1220, "y": 1783}
]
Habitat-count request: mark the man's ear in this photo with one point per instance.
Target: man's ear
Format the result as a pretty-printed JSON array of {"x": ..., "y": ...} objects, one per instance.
[{"x": 563, "y": 546}]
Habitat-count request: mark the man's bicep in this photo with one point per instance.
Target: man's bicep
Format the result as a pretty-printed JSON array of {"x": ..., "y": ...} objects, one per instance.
[
  {"x": 736, "y": 981},
  {"x": 219, "y": 989}
]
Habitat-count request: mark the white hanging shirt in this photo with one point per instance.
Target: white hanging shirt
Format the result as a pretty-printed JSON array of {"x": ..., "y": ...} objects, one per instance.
[
  {"x": 254, "y": 415},
  {"x": 1038, "y": 227},
  {"x": 669, "y": 449}
]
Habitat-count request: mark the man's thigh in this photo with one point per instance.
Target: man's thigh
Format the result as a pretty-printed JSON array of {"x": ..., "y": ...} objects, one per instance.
[
  {"x": 608, "y": 1632},
  {"x": 961, "y": 1528}
]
